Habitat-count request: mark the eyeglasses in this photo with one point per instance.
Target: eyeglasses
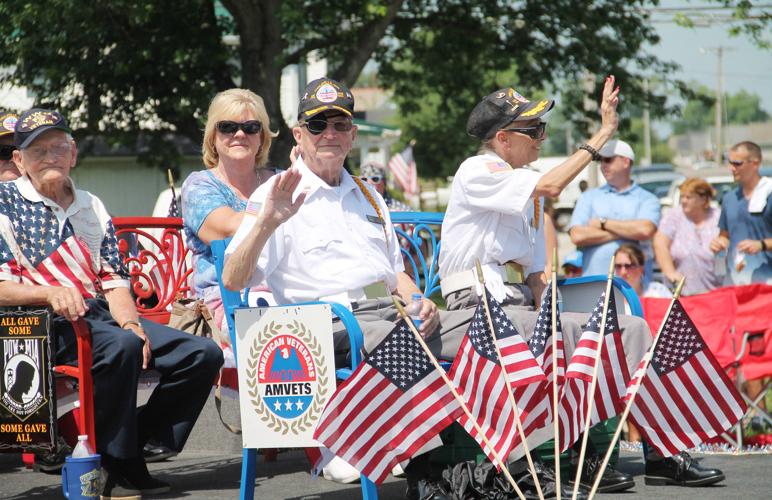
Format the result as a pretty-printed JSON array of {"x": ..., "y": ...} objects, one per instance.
[
  {"x": 535, "y": 133},
  {"x": 40, "y": 154},
  {"x": 6, "y": 152},
  {"x": 318, "y": 125},
  {"x": 736, "y": 163},
  {"x": 375, "y": 179},
  {"x": 619, "y": 267},
  {"x": 249, "y": 127}
]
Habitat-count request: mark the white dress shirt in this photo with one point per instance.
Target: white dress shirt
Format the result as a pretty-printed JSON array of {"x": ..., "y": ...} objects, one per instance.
[
  {"x": 490, "y": 218},
  {"x": 333, "y": 247}
]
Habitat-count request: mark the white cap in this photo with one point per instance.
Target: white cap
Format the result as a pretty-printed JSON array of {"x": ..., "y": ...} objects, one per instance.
[{"x": 615, "y": 147}]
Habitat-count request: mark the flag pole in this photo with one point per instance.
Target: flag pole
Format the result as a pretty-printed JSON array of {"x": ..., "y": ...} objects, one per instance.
[
  {"x": 555, "y": 422},
  {"x": 639, "y": 380},
  {"x": 594, "y": 382},
  {"x": 458, "y": 397},
  {"x": 510, "y": 393}
]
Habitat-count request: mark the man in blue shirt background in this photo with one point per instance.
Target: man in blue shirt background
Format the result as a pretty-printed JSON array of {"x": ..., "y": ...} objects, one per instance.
[
  {"x": 746, "y": 219},
  {"x": 619, "y": 211}
]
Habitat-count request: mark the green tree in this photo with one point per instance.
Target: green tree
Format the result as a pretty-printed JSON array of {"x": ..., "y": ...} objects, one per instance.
[{"x": 699, "y": 112}]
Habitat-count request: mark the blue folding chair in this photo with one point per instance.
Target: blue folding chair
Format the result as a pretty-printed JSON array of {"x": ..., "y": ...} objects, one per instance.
[{"x": 233, "y": 300}]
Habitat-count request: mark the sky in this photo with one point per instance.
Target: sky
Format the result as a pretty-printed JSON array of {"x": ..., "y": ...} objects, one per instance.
[{"x": 745, "y": 66}]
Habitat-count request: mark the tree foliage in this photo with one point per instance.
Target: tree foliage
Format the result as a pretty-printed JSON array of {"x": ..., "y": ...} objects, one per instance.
[
  {"x": 128, "y": 67},
  {"x": 699, "y": 113}
]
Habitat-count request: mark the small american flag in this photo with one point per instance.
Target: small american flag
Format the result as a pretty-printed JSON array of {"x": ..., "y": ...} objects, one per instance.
[
  {"x": 392, "y": 404},
  {"x": 479, "y": 377},
  {"x": 613, "y": 376},
  {"x": 403, "y": 167},
  {"x": 174, "y": 209},
  {"x": 685, "y": 397}
]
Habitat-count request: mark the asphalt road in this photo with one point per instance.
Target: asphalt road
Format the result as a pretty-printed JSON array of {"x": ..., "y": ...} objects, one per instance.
[{"x": 209, "y": 476}]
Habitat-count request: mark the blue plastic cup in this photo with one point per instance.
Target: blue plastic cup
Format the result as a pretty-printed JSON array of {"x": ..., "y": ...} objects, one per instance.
[{"x": 82, "y": 477}]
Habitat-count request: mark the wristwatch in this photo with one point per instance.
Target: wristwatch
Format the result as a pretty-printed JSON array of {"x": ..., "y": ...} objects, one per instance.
[{"x": 603, "y": 221}]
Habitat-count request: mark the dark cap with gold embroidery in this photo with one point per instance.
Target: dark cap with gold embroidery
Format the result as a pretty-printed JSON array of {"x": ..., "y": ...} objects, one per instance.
[
  {"x": 324, "y": 94},
  {"x": 7, "y": 122},
  {"x": 501, "y": 108},
  {"x": 34, "y": 122}
]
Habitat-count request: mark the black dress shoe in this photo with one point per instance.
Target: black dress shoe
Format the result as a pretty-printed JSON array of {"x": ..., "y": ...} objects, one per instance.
[
  {"x": 154, "y": 452},
  {"x": 681, "y": 470},
  {"x": 546, "y": 476},
  {"x": 612, "y": 480},
  {"x": 135, "y": 471},
  {"x": 51, "y": 462},
  {"x": 116, "y": 487}
]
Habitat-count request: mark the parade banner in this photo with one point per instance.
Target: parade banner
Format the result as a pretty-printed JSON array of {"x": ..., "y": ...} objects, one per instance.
[
  {"x": 286, "y": 368},
  {"x": 27, "y": 400}
]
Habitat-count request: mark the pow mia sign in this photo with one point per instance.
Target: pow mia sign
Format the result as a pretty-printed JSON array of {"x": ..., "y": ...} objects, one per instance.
[
  {"x": 286, "y": 364},
  {"x": 27, "y": 403}
]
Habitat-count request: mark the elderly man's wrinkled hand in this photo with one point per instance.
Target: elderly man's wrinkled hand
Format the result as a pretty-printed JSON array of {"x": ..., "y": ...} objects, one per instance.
[
  {"x": 67, "y": 302},
  {"x": 430, "y": 317},
  {"x": 279, "y": 206}
]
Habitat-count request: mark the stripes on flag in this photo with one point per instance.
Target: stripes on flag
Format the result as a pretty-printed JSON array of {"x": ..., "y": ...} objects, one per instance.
[
  {"x": 686, "y": 397},
  {"x": 393, "y": 403},
  {"x": 613, "y": 376},
  {"x": 403, "y": 167},
  {"x": 479, "y": 377}
]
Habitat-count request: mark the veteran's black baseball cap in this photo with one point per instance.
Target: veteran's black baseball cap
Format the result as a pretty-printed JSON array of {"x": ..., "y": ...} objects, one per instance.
[
  {"x": 324, "y": 94},
  {"x": 34, "y": 122},
  {"x": 501, "y": 108}
]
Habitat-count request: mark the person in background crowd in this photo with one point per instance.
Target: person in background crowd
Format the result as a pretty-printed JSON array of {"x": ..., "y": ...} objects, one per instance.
[
  {"x": 682, "y": 242},
  {"x": 629, "y": 264},
  {"x": 237, "y": 139},
  {"x": 77, "y": 272},
  {"x": 375, "y": 175},
  {"x": 618, "y": 211},
  {"x": 572, "y": 265},
  {"x": 746, "y": 219},
  {"x": 8, "y": 169}
]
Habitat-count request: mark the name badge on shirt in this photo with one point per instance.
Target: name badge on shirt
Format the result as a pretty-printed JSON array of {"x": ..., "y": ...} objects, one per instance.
[{"x": 376, "y": 220}]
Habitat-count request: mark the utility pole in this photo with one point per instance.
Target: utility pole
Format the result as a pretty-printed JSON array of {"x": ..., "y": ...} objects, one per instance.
[
  {"x": 646, "y": 126},
  {"x": 719, "y": 154}
]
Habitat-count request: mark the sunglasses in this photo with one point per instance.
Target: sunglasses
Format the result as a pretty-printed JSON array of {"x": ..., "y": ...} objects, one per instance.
[
  {"x": 619, "y": 267},
  {"x": 735, "y": 163},
  {"x": 318, "y": 125},
  {"x": 6, "y": 152},
  {"x": 375, "y": 178},
  {"x": 249, "y": 127},
  {"x": 535, "y": 133}
]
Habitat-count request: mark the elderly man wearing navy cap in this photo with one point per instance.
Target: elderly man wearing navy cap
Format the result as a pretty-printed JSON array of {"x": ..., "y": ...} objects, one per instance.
[
  {"x": 76, "y": 270},
  {"x": 8, "y": 170}
]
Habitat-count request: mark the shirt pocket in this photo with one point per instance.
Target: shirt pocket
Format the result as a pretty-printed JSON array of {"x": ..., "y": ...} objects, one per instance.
[{"x": 323, "y": 253}]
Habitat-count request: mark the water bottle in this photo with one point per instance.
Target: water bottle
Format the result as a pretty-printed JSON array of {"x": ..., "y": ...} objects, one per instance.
[
  {"x": 719, "y": 264},
  {"x": 83, "y": 448},
  {"x": 414, "y": 309}
]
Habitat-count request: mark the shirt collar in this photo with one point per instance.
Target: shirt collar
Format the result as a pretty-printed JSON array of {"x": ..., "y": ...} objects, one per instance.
[
  {"x": 28, "y": 191},
  {"x": 312, "y": 182},
  {"x": 611, "y": 189}
]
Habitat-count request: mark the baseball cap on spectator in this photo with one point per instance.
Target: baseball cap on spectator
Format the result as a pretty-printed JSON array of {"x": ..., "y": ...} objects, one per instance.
[
  {"x": 615, "y": 147},
  {"x": 324, "y": 94},
  {"x": 7, "y": 122},
  {"x": 499, "y": 109},
  {"x": 34, "y": 122},
  {"x": 372, "y": 170},
  {"x": 573, "y": 259}
]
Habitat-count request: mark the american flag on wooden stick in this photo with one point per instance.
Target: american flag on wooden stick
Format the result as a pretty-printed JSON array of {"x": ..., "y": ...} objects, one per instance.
[
  {"x": 393, "y": 403},
  {"x": 685, "y": 397},
  {"x": 479, "y": 377},
  {"x": 613, "y": 376},
  {"x": 404, "y": 170}
]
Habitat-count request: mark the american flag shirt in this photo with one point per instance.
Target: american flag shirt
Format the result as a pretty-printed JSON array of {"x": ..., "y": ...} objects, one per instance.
[{"x": 43, "y": 244}]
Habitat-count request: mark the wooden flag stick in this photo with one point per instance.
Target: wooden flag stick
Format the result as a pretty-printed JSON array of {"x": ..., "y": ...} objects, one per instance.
[
  {"x": 594, "y": 382},
  {"x": 555, "y": 422},
  {"x": 170, "y": 178},
  {"x": 642, "y": 370},
  {"x": 510, "y": 393},
  {"x": 458, "y": 397}
]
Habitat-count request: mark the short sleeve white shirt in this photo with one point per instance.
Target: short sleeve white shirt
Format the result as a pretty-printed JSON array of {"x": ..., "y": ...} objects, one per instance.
[
  {"x": 490, "y": 217},
  {"x": 333, "y": 245}
]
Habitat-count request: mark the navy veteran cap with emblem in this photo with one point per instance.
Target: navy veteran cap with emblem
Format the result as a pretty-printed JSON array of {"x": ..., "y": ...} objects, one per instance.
[
  {"x": 7, "y": 122},
  {"x": 324, "y": 94},
  {"x": 34, "y": 122},
  {"x": 501, "y": 108}
]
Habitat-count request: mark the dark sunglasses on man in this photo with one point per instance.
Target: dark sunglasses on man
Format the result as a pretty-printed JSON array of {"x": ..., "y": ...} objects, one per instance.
[
  {"x": 536, "y": 132},
  {"x": 375, "y": 179},
  {"x": 249, "y": 127},
  {"x": 318, "y": 125},
  {"x": 736, "y": 163},
  {"x": 6, "y": 152}
]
